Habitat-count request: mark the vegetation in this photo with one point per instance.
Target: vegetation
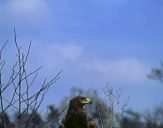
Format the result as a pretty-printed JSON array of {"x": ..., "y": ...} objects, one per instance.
[
  {"x": 21, "y": 98},
  {"x": 157, "y": 73}
]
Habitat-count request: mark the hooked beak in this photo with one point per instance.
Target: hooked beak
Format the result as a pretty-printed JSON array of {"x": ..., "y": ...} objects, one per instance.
[{"x": 86, "y": 101}]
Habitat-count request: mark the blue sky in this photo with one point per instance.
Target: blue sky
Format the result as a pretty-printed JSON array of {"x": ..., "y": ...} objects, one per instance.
[{"x": 94, "y": 41}]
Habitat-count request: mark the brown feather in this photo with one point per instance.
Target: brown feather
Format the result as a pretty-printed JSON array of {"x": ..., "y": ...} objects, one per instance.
[{"x": 76, "y": 116}]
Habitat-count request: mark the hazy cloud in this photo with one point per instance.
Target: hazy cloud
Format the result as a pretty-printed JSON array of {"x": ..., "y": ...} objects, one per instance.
[
  {"x": 24, "y": 12},
  {"x": 56, "y": 55},
  {"x": 67, "y": 51},
  {"x": 124, "y": 71},
  {"x": 71, "y": 57}
]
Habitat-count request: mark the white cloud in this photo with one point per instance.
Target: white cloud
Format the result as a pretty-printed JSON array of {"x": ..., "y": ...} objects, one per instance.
[
  {"x": 67, "y": 51},
  {"x": 27, "y": 5},
  {"x": 124, "y": 71},
  {"x": 56, "y": 55},
  {"x": 71, "y": 57},
  {"x": 24, "y": 11}
]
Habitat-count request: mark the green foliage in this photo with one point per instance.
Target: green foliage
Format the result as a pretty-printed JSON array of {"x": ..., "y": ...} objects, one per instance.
[
  {"x": 5, "y": 121},
  {"x": 52, "y": 117},
  {"x": 157, "y": 73},
  {"x": 103, "y": 109},
  {"x": 99, "y": 111},
  {"x": 29, "y": 120}
]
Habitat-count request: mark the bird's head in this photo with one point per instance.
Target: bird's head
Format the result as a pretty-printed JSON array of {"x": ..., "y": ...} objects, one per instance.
[{"x": 80, "y": 101}]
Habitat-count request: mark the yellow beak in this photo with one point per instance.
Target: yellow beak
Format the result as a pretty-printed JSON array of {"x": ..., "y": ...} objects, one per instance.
[{"x": 86, "y": 101}]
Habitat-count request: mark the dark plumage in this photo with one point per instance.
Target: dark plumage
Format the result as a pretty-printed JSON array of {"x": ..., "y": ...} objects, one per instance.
[{"x": 76, "y": 116}]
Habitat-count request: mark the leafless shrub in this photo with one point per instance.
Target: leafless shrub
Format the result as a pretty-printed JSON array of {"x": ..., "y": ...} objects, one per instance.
[
  {"x": 19, "y": 86},
  {"x": 114, "y": 106}
]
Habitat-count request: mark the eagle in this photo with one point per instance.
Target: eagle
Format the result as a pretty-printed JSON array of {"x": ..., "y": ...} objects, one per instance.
[{"x": 76, "y": 116}]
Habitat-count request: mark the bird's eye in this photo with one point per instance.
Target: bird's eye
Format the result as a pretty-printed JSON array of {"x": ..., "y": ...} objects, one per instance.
[{"x": 83, "y": 98}]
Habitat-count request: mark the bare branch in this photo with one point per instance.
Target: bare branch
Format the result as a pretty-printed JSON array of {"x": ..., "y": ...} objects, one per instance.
[
  {"x": 20, "y": 81},
  {"x": 98, "y": 111}
]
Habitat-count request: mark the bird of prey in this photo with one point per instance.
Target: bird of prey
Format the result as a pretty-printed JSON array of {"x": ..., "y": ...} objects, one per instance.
[{"x": 76, "y": 116}]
